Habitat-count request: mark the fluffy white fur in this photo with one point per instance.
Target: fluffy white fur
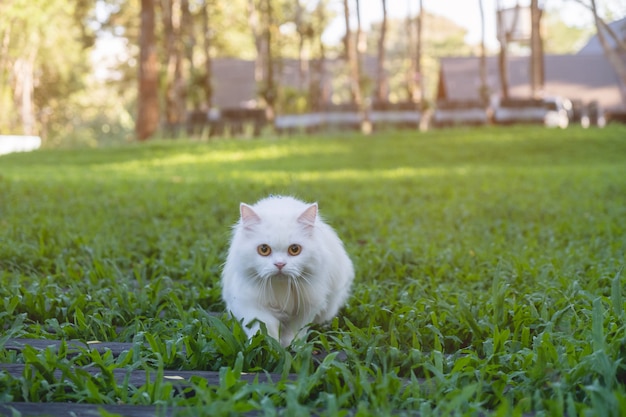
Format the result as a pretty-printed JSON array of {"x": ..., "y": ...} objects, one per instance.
[{"x": 284, "y": 289}]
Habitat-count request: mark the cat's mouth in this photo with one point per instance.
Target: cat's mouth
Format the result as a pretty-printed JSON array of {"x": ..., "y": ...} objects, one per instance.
[{"x": 283, "y": 275}]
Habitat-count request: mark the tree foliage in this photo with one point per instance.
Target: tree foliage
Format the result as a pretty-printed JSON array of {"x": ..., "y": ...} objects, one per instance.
[
  {"x": 43, "y": 62},
  {"x": 441, "y": 37},
  {"x": 49, "y": 86},
  {"x": 561, "y": 38}
]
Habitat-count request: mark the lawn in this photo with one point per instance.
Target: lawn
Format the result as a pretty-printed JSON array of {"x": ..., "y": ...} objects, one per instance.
[{"x": 489, "y": 272}]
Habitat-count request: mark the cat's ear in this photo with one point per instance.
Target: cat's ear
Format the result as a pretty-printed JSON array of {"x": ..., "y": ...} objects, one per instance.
[
  {"x": 307, "y": 218},
  {"x": 248, "y": 216}
]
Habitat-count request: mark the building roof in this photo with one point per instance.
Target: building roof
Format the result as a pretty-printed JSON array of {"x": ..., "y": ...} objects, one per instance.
[
  {"x": 593, "y": 46},
  {"x": 234, "y": 82},
  {"x": 585, "y": 77}
]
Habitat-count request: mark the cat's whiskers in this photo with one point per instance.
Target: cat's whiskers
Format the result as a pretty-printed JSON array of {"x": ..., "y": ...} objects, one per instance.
[
  {"x": 272, "y": 293},
  {"x": 286, "y": 302},
  {"x": 301, "y": 296},
  {"x": 295, "y": 300},
  {"x": 304, "y": 276},
  {"x": 301, "y": 281},
  {"x": 264, "y": 285},
  {"x": 293, "y": 284}
]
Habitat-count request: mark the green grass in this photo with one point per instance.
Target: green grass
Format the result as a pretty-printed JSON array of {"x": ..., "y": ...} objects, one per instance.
[{"x": 489, "y": 271}]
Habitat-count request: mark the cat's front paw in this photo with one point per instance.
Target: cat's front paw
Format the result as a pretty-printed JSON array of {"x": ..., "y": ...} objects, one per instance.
[
  {"x": 286, "y": 336},
  {"x": 272, "y": 327}
]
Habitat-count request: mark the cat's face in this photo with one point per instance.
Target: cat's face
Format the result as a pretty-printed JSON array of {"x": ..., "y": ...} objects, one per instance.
[{"x": 277, "y": 241}]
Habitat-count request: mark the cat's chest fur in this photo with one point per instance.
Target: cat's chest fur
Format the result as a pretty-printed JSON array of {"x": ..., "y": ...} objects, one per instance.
[{"x": 286, "y": 298}]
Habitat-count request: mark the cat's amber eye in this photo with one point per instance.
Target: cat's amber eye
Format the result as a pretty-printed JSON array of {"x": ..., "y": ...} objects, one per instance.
[
  {"x": 294, "y": 250},
  {"x": 264, "y": 250}
]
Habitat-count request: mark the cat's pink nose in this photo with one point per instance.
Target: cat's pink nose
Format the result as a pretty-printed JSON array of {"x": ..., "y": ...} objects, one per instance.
[{"x": 280, "y": 265}]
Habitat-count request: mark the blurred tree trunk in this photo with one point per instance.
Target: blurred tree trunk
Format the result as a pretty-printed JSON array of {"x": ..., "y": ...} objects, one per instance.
[
  {"x": 18, "y": 74},
  {"x": 419, "y": 73},
  {"x": 503, "y": 65},
  {"x": 352, "y": 45},
  {"x": 174, "y": 82},
  {"x": 187, "y": 32},
  {"x": 190, "y": 66},
  {"x": 254, "y": 20},
  {"x": 410, "y": 80},
  {"x": 484, "y": 88},
  {"x": 381, "y": 79},
  {"x": 536, "y": 50},
  {"x": 318, "y": 91},
  {"x": 208, "y": 64},
  {"x": 24, "y": 79},
  {"x": 318, "y": 94},
  {"x": 261, "y": 20},
  {"x": 612, "y": 54},
  {"x": 303, "y": 32},
  {"x": 147, "y": 98},
  {"x": 361, "y": 42},
  {"x": 425, "y": 113},
  {"x": 269, "y": 88},
  {"x": 4, "y": 59},
  {"x": 504, "y": 70},
  {"x": 353, "y": 59}
]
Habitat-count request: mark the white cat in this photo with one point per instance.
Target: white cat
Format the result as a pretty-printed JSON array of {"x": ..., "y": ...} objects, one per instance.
[{"x": 285, "y": 268}]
